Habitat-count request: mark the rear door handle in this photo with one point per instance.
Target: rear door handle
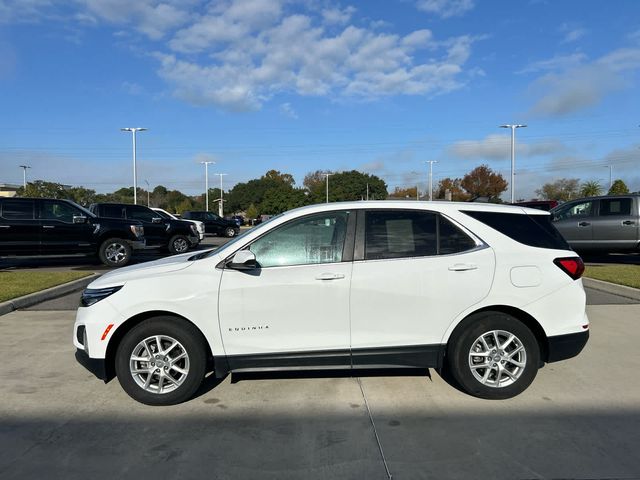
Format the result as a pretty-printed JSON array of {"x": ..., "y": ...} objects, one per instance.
[
  {"x": 462, "y": 267},
  {"x": 584, "y": 224},
  {"x": 330, "y": 276},
  {"x": 48, "y": 226},
  {"x": 5, "y": 226},
  {"x": 628, "y": 222}
]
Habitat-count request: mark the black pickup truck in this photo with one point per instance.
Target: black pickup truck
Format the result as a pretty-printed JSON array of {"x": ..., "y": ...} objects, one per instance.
[
  {"x": 43, "y": 226},
  {"x": 177, "y": 236},
  {"x": 214, "y": 223}
]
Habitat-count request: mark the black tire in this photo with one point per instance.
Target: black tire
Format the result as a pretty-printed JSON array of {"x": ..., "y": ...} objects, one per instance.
[
  {"x": 179, "y": 244},
  {"x": 189, "y": 338},
  {"x": 459, "y": 356},
  {"x": 229, "y": 232},
  {"x": 115, "y": 252}
]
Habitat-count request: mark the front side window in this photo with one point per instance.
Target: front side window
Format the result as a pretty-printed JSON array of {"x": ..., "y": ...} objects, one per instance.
[
  {"x": 309, "y": 240},
  {"x": 17, "y": 210},
  {"x": 574, "y": 210},
  {"x": 615, "y": 206},
  {"x": 212, "y": 216},
  {"x": 60, "y": 211},
  {"x": 141, "y": 213},
  {"x": 400, "y": 234}
]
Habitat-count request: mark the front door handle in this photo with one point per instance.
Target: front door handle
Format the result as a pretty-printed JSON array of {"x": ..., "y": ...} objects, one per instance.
[
  {"x": 330, "y": 276},
  {"x": 462, "y": 267},
  {"x": 5, "y": 226},
  {"x": 628, "y": 222},
  {"x": 584, "y": 224},
  {"x": 48, "y": 226}
]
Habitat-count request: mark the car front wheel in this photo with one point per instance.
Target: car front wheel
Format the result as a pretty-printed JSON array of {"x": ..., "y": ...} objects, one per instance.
[
  {"x": 230, "y": 232},
  {"x": 179, "y": 244},
  {"x": 494, "y": 356},
  {"x": 115, "y": 252},
  {"x": 161, "y": 361}
]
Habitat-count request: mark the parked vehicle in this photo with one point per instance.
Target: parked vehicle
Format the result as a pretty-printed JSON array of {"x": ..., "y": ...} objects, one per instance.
[
  {"x": 166, "y": 215},
  {"x": 177, "y": 236},
  {"x": 486, "y": 291},
  {"x": 545, "y": 205},
  {"x": 239, "y": 219},
  {"x": 44, "y": 226},
  {"x": 213, "y": 223},
  {"x": 605, "y": 224}
]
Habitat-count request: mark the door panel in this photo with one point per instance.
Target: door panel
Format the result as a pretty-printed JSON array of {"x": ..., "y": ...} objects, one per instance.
[
  {"x": 575, "y": 222},
  {"x": 616, "y": 226},
  {"x": 59, "y": 235},
  {"x": 155, "y": 233},
  {"x": 19, "y": 229}
]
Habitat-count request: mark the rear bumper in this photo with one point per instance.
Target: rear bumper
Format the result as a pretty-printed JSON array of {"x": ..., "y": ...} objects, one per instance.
[
  {"x": 97, "y": 366},
  {"x": 562, "y": 347},
  {"x": 138, "y": 244}
]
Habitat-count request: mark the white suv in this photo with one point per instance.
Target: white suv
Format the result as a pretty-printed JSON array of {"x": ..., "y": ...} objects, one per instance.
[{"x": 487, "y": 292}]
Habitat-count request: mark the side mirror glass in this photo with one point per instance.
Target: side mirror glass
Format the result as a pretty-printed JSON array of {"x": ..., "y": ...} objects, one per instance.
[
  {"x": 79, "y": 219},
  {"x": 156, "y": 220},
  {"x": 243, "y": 260}
]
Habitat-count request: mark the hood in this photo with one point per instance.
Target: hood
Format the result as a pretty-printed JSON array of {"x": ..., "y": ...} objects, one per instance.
[{"x": 143, "y": 270}]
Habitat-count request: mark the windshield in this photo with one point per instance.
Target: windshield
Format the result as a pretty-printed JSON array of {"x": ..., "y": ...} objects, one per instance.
[{"x": 163, "y": 214}]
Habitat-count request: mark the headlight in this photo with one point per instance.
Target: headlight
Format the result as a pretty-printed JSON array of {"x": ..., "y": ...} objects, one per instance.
[
  {"x": 94, "y": 295},
  {"x": 137, "y": 230}
]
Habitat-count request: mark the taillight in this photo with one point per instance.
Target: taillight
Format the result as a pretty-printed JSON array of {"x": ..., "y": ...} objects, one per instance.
[{"x": 572, "y": 266}]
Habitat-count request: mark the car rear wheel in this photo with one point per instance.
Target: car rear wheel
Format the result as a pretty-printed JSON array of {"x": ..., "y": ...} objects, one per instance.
[
  {"x": 161, "y": 361},
  {"x": 494, "y": 356},
  {"x": 179, "y": 244},
  {"x": 230, "y": 232},
  {"x": 115, "y": 252}
]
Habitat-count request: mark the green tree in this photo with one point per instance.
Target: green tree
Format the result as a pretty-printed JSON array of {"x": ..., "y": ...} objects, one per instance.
[
  {"x": 42, "y": 189},
  {"x": 484, "y": 182},
  {"x": 345, "y": 186},
  {"x": 253, "y": 192},
  {"x": 251, "y": 212},
  {"x": 403, "y": 193},
  {"x": 278, "y": 200},
  {"x": 563, "y": 189},
  {"x": 453, "y": 185},
  {"x": 618, "y": 187},
  {"x": 591, "y": 188}
]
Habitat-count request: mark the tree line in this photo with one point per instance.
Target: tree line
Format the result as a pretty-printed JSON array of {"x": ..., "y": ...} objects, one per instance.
[{"x": 275, "y": 192}]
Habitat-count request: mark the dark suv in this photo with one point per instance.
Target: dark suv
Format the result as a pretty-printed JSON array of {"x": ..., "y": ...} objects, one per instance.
[
  {"x": 175, "y": 235},
  {"x": 214, "y": 223},
  {"x": 42, "y": 226}
]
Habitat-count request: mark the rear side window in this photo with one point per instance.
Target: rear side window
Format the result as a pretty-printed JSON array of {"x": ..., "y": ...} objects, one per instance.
[
  {"x": 532, "y": 230},
  {"x": 141, "y": 213},
  {"x": 18, "y": 210},
  {"x": 615, "y": 206},
  {"x": 111, "y": 211},
  {"x": 452, "y": 239}
]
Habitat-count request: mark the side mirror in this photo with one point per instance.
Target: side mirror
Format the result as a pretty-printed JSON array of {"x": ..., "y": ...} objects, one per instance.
[
  {"x": 243, "y": 260},
  {"x": 156, "y": 220},
  {"x": 79, "y": 219}
]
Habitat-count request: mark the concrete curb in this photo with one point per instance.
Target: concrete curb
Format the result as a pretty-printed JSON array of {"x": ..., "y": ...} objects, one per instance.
[
  {"x": 46, "y": 294},
  {"x": 607, "y": 287}
]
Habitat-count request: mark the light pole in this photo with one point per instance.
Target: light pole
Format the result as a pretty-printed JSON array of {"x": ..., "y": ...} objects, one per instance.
[
  {"x": 220, "y": 205},
  {"x": 431, "y": 162},
  {"x": 513, "y": 158},
  {"x": 24, "y": 175},
  {"x": 134, "y": 130},
  {"x": 327, "y": 177},
  {"x": 610, "y": 175},
  {"x": 206, "y": 183}
]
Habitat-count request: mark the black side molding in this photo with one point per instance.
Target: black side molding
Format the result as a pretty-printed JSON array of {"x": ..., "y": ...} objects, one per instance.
[
  {"x": 96, "y": 366},
  {"x": 562, "y": 347}
]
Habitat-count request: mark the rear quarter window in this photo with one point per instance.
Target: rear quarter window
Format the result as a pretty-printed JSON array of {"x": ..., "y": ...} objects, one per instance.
[{"x": 531, "y": 230}]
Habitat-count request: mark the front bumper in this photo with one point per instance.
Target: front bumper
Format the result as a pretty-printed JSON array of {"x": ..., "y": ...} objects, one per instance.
[
  {"x": 562, "y": 347},
  {"x": 194, "y": 240},
  {"x": 138, "y": 244},
  {"x": 97, "y": 366}
]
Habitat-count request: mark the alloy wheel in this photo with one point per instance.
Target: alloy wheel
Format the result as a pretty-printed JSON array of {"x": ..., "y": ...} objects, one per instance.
[
  {"x": 497, "y": 358},
  {"x": 159, "y": 364}
]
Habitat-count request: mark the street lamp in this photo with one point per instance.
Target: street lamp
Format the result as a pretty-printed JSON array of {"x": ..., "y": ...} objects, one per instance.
[
  {"x": 206, "y": 182},
  {"x": 327, "y": 177},
  {"x": 513, "y": 158},
  {"x": 610, "y": 167},
  {"x": 431, "y": 162},
  {"x": 148, "y": 201},
  {"x": 134, "y": 130},
  {"x": 24, "y": 175},
  {"x": 220, "y": 205}
]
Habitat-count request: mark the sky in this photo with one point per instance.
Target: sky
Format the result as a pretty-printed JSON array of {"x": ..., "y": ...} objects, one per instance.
[{"x": 380, "y": 86}]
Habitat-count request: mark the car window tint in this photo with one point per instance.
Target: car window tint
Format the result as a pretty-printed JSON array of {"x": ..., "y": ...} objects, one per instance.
[
  {"x": 17, "y": 210},
  {"x": 615, "y": 206},
  {"x": 141, "y": 213},
  {"x": 399, "y": 233},
  {"x": 574, "y": 210},
  {"x": 111, "y": 211},
  {"x": 305, "y": 241},
  {"x": 60, "y": 211},
  {"x": 451, "y": 239}
]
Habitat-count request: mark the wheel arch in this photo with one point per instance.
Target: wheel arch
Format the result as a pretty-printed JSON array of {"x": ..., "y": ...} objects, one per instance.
[
  {"x": 129, "y": 324},
  {"x": 529, "y": 321}
]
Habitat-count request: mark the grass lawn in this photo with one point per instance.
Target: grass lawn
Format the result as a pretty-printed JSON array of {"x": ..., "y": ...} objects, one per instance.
[
  {"x": 628, "y": 275},
  {"x": 16, "y": 283}
]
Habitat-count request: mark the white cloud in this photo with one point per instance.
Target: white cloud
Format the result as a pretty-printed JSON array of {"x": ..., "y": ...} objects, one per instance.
[
  {"x": 445, "y": 8},
  {"x": 287, "y": 110},
  {"x": 575, "y": 83},
  {"x": 555, "y": 63},
  {"x": 571, "y": 33},
  {"x": 498, "y": 147},
  {"x": 337, "y": 16}
]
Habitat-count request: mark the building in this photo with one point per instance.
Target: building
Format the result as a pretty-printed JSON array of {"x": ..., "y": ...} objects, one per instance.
[{"x": 8, "y": 189}]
